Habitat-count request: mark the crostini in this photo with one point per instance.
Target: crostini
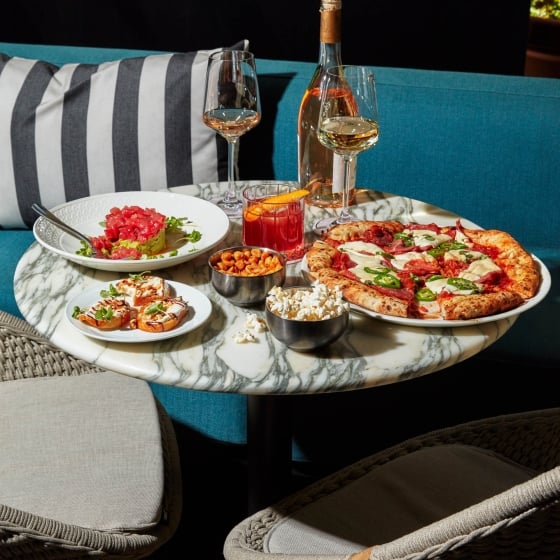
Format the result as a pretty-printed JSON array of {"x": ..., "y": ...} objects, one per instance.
[
  {"x": 161, "y": 315},
  {"x": 142, "y": 288},
  {"x": 107, "y": 314}
]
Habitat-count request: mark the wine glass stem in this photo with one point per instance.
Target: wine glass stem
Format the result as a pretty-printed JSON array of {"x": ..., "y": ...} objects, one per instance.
[
  {"x": 344, "y": 214},
  {"x": 230, "y": 197}
]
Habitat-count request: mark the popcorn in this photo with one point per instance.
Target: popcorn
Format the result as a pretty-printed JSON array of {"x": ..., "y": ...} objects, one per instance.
[
  {"x": 321, "y": 302},
  {"x": 242, "y": 337},
  {"x": 255, "y": 323},
  {"x": 253, "y": 326}
]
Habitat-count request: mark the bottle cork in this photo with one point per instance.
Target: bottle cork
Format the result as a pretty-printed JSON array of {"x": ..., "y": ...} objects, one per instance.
[{"x": 331, "y": 5}]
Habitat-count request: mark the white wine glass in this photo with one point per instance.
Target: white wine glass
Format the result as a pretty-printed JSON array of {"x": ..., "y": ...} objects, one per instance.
[
  {"x": 348, "y": 123},
  {"x": 231, "y": 107}
]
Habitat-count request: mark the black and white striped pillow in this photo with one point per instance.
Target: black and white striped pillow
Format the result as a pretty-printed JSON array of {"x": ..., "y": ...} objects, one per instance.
[{"x": 82, "y": 129}]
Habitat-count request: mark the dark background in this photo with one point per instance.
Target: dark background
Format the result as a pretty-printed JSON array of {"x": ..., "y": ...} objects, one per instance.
[{"x": 467, "y": 35}]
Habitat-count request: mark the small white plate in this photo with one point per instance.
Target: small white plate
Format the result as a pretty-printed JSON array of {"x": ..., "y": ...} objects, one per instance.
[
  {"x": 544, "y": 288},
  {"x": 200, "y": 309},
  {"x": 87, "y": 214}
]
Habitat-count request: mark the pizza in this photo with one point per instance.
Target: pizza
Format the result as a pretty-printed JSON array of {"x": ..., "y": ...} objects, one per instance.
[{"x": 424, "y": 271}]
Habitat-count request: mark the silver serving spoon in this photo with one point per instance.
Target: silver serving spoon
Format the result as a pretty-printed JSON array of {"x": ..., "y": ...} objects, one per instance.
[{"x": 47, "y": 214}]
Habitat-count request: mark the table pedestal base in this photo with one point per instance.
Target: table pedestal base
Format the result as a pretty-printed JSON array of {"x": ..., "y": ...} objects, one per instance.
[{"x": 269, "y": 449}]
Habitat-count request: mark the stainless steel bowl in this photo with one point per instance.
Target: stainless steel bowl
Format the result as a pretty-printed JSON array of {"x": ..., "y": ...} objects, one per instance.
[
  {"x": 305, "y": 336},
  {"x": 245, "y": 291}
]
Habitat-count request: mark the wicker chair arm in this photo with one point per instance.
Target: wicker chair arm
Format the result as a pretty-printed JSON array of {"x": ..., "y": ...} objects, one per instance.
[{"x": 24, "y": 353}]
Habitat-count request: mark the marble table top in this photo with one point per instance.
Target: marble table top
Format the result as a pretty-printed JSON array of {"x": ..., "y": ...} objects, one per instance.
[{"x": 372, "y": 352}]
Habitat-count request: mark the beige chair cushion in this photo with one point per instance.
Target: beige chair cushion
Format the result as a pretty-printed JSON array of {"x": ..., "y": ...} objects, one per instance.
[
  {"x": 84, "y": 450},
  {"x": 395, "y": 499}
]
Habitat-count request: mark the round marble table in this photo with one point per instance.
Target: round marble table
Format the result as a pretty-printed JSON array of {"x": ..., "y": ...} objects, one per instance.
[{"x": 372, "y": 352}]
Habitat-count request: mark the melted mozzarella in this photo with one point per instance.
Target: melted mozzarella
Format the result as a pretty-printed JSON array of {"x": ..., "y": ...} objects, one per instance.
[
  {"x": 424, "y": 237},
  {"x": 441, "y": 285},
  {"x": 477, "y": 269},
  {"x": 480, "y": 264},
  {"x": 365, "y": 277},
  {"x": 360, "y": 248},
  {"x": 430, "y": 309},
  {"x": 365, "y": 255},
  {"x": 463, "y": 255},
  {"x": 401, "y": 259},
  {"x": 474, "y": 272},
  {"x": 460, "y": 237}
]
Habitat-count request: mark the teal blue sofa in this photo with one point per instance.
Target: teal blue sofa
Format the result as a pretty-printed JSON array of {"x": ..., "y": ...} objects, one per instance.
[{"x": 484, "y": 146}]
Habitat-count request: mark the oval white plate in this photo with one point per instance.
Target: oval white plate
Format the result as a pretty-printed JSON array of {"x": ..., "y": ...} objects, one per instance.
[
  {"x": 544, "y": 288},
  {"x": 200, "y": 309},
  {"x": 85, "y": 215}
]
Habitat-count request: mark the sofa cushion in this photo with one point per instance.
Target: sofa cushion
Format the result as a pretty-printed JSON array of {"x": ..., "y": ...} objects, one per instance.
[
  {"x": 78, "y": 129},
  {"x": 395, "y": 499},
  {"x": 84, "y": 450}
]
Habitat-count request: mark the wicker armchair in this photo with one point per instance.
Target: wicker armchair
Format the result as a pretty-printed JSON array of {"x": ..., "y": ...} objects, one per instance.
[
  {"x": 89, "y": 465},
  {"x": 504, "y": 478}
]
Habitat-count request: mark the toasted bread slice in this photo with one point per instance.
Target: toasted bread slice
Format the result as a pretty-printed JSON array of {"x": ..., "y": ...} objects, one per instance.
[
  {"x": 162, "y": 315},
  {"x": 107, "y": 314},
  {"x": 143, "y": 288}
]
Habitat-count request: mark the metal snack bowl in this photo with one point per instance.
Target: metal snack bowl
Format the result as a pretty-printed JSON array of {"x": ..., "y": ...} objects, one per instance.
[
  {"x": 306, "y": 335},
  {"x": 245, "y": 291}
]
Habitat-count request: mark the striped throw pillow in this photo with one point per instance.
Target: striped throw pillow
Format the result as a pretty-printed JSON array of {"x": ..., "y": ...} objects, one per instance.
[{"x": 81, "y": 129}]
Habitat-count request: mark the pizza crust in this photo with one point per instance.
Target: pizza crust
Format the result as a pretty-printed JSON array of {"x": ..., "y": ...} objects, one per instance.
[
  {"x": 512, "y": 258},
  {"x": 478, "y": 305},
  {"x": 361, "y": 294},
  {"x": 356, "y": 230},
  {"x": 320, "y": 256}
]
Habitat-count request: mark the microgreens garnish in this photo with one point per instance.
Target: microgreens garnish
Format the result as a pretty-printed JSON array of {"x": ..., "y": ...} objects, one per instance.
[
  {"x": 173, "y": 224},
  {"x": 85, "y": 250},
  {"x": 155, "y": 308},
  {"x": 111, "y": 292},
  {"x": 139, "y": 277},
  {"x": 104, "y": 313},
  {"x": 193, "y": 236}
]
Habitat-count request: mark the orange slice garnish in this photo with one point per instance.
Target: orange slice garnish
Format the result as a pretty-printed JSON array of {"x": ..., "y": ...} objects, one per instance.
[{"x": 256, "y": 210}]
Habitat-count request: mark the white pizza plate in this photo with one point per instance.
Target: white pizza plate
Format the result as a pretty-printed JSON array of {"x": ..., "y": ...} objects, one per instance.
[
  {"x": 87, "y": 214},
  {"x": 544, "y": 288},
  {"x": 200, "y": 309}
]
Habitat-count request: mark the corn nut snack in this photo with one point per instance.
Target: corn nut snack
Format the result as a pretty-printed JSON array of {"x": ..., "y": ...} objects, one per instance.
[{"x": 251, "y": 261}]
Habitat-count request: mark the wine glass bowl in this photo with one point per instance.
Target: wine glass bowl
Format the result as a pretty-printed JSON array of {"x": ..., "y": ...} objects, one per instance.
[
  {"x": 348, "y": 122},
  {"x": 231, "y": 108}
]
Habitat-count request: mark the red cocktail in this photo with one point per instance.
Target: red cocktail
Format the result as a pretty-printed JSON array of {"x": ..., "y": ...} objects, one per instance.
[{"x": 273, "y": 216}]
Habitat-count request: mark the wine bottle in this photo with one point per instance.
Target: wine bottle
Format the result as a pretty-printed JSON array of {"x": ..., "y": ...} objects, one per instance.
[{"x": 320, "y": 170}]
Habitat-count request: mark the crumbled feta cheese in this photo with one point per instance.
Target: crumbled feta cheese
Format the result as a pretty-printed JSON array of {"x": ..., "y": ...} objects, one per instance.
[{"x": 321, "y": 302}]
